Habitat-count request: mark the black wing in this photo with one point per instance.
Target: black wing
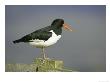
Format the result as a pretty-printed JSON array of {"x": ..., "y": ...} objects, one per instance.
[
  {"x": 37, "y": 35},
  {"x": 41, "y": 34}
]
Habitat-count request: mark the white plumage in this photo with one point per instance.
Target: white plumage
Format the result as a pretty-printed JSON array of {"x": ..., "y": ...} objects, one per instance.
[{"x": 41, "y": 43}]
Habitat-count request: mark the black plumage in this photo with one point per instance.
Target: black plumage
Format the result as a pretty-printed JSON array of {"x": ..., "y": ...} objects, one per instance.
[{"x": 43, "y": 33}]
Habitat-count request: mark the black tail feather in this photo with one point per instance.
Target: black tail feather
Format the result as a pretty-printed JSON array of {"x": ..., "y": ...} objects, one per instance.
[{"x": 16, "y": 41}]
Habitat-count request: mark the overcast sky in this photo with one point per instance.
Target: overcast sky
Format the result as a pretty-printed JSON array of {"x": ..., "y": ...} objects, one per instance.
[{"x": 83, "y": 50}]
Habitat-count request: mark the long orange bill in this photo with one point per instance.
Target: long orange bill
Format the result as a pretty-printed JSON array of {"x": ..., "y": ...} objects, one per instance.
[{"x": 66, "y": 26}]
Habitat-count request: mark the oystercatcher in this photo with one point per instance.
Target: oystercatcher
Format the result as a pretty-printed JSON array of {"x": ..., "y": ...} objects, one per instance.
[{"x": 46, "y": 36}]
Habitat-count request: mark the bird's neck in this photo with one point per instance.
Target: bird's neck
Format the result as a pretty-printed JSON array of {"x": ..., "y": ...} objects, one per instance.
[{"x": 57, "y": 30}]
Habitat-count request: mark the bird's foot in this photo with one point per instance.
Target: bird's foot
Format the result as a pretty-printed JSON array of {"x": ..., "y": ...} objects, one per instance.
[{"x": 45, "y": 58}]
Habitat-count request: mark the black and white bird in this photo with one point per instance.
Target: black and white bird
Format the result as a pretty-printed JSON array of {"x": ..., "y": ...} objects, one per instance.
[{"x": 46, "y": 36}]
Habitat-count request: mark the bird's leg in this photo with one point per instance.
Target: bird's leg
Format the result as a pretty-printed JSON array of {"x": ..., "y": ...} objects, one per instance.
[{"x": 43, "y": 53}]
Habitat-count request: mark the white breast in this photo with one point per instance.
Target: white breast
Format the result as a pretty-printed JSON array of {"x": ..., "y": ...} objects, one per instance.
[{"x": 40, "y": 43}]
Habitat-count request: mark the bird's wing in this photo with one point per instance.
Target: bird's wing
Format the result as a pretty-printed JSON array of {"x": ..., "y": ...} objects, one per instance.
[{"x": 41, "y": 35}]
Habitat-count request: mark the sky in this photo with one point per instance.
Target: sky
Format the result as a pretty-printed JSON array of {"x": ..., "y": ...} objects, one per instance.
[{"x": 83, "y": 49}]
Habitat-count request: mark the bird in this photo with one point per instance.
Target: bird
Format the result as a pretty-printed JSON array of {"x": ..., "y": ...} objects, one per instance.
[{"x": 45, "y": 37}]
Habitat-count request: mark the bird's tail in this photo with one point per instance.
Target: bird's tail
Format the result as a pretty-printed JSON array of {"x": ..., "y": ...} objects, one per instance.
[{"x": 16, "y": 41}]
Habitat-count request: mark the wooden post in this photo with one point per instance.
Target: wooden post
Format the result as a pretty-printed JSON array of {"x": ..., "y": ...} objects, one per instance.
[
  {"x": 48, "y": 64},
  {"x": 38, "y": 65}
]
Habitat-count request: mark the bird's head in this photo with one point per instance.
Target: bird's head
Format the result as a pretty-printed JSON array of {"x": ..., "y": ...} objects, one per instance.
[{"x": 60, "y": 23}]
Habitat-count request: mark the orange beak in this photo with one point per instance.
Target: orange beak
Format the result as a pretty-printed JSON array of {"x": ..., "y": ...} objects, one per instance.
[{"x": 66, "y": 26}]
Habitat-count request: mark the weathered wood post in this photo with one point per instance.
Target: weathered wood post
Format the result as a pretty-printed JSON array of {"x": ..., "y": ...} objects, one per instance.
[
  {"x": 44, "y": 65},
  {"x": 38, "y": 65}
]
